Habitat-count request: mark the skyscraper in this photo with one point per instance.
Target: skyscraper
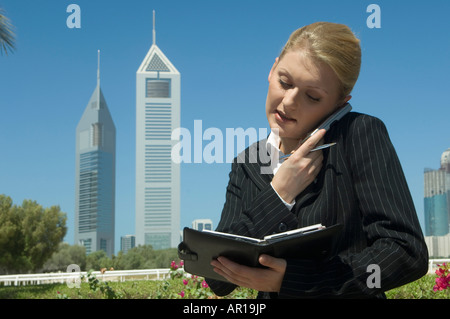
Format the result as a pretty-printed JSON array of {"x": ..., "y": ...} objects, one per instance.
[
  {"x": 437, "y": 198},
  {"x": 95, "y": 175},
  {"x": 157, "y": 176},
  {"x": 127, "y": 242}
]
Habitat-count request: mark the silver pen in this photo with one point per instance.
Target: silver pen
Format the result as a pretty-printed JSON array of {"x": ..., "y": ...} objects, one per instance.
[{"x": 321, "y": 147}]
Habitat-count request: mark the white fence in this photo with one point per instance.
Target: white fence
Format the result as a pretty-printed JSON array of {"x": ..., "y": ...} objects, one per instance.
[
  {"x": 118, "y": 275},
  {"x": 433, "y": 264},
  {"x": 70, "y": 277}
]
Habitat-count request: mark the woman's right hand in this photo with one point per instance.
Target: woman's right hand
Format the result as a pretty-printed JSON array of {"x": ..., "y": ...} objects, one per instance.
[{"x": 300, "y": 169}]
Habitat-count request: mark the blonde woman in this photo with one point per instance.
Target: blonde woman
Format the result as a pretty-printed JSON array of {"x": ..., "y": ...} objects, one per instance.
[{"x": 358, "y": 183}]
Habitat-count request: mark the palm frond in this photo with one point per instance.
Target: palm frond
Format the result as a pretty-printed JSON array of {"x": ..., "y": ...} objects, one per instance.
[{"x": 7, "y": 36}]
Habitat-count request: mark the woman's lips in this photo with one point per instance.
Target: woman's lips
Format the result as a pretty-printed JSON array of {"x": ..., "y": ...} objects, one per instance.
[{"x": 283, "y": 118}]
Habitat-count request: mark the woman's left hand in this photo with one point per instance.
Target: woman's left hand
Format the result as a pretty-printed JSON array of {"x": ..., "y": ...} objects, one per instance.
[{"x": 261, "y": 279}]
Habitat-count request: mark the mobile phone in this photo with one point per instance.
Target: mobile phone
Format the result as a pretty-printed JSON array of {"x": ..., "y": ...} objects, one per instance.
[{"x": 336, "y": 116}]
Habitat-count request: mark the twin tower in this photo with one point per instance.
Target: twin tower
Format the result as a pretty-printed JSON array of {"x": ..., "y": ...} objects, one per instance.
[{"x": 157, "y": 210}]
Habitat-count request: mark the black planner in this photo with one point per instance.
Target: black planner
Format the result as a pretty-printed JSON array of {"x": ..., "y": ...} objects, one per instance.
[{"x": 199, "y": 248}]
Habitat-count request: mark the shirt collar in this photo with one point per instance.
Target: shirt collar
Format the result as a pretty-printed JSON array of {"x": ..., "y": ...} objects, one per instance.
[{"x": 272, "y": 145}]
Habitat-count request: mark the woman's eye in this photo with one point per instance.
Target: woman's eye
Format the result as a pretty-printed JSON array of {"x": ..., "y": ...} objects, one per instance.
[
  {"x": 284, "y": 85},
  {"x": 315, "y": 99}
]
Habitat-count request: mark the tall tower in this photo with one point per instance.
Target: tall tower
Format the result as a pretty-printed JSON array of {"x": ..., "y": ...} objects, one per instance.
[
  {"x": 95, "y": 175},
  {"x": 157, "y": 176}
]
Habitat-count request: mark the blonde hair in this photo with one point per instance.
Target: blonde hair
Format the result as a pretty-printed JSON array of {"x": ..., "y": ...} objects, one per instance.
[{"x": 333, "y": 44}]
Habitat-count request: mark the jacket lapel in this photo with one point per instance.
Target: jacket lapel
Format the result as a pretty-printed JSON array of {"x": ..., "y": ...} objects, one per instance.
[{"x": 254, "y": 160}]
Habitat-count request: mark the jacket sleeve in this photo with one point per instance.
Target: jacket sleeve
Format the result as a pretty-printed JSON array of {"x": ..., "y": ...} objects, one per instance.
[
  {"x": 250, "y": 210},
  {"x": 395, "y": 246}
]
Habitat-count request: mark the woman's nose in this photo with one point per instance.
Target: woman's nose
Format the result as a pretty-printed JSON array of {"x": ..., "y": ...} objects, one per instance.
[{"x": 290, "y": 99}]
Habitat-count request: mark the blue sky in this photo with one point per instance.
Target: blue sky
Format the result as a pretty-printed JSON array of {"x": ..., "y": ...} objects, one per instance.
[{"x": 224, "y": 50}]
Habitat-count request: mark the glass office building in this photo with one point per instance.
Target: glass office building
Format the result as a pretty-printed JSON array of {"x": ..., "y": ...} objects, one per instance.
[
  {"x": 437, "y": 198},
  {"x": 95, "y": 176}
]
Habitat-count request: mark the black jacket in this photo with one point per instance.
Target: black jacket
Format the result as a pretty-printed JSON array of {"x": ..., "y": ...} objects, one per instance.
[{"x": 361, "y": 186}]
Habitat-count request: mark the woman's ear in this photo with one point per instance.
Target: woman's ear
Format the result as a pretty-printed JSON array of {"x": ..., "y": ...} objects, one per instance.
[
  {"x": 346, "y": 99},
  {"x": 273, "y": 68}
]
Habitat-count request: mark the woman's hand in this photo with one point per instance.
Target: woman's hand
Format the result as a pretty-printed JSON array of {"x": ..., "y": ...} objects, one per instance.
[
  {"x": 261, "y": 279},
  {"x": 299, "y": 170}
]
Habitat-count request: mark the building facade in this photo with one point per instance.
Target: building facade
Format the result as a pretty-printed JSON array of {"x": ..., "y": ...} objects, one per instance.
[
  {"x": 127, "y": 242},
  {"x": 202, "y": 224},
  {"x": 157, "y": 176},
  {"x": 437, "y": 198},
  {"x": 95, "y": 159},
  {"x": 438, "y": 246}
]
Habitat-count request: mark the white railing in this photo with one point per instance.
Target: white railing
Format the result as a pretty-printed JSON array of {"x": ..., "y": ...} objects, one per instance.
[
  {"x": 70, "y": 277},
  {"x": 118, "y": 275},
  {"x": 433, "y": 264}
]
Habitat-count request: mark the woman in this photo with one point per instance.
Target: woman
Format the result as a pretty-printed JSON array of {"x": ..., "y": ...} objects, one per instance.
[{"x": 358, "y": 183}]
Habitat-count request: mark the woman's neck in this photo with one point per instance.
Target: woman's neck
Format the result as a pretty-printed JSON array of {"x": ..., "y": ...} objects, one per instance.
[{"x": 288, "y": 145}]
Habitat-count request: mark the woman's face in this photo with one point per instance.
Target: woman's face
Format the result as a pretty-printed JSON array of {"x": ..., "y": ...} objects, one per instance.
[{"x": 301, "y": 94}]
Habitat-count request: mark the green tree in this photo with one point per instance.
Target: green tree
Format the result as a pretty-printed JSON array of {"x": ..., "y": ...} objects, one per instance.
[
  {"x": 7, "y": 37},
  {"x": 140, "y": 257},
  {"x": 29, "y": 234},
  {"x": 65, "y": 256},
  {"x": 145, "y": 257},
  {"x": 98, "y": 260},
  {"x": 12, "y": 242},
  {"x": 165, "y": 257},
  {"x": 43, "y": 230}
]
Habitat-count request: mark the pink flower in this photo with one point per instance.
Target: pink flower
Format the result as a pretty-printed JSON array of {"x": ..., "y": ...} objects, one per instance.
[
  {"x": 442, "y": 282},
  {"x": 181, "y": 263},
  {"x": 181, "y": 294},
  {"x": 442, "y": 278},
  {"x": 440, "y": 272},
  {"x": 185, "y": 282},
  {"x": 173, "y": 265},
  {"x": 204, "y": 284}
]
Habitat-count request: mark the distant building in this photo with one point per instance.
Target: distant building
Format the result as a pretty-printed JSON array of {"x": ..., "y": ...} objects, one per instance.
[
  {"x": 438, "y": 246},
  {"x": 157, "y": 176},
  {"x": 95, "y": 158},
  {"x": 437, "y": 198},
  {"x": 127, "y": 242},
  {"x": 201, "y": 224}
]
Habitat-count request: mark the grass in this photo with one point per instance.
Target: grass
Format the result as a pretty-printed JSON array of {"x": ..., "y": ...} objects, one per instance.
[
  {"x": 419, "y": 289},
  {"x": 142, "y": 289},
  {"x": 169, "y": 289}
]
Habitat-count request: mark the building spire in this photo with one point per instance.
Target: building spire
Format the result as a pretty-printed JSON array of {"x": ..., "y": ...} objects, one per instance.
[
  {"x": 98, "y": 68},
  {"x": 154, "y": 31},
  {"x": 98, "y": 80}
]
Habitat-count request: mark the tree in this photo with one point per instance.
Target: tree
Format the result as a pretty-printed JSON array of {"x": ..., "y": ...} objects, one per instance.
[
  {"x": 145, "y": 257},
  {"x": 7, "y": 37},
  {"x": 98, "y": 260},
  {"x": 65, "y": 256},
  {"x": 43, "y": 230},
  {"x": 29, "y": 234},
  {"x": 12, "y": 242}
]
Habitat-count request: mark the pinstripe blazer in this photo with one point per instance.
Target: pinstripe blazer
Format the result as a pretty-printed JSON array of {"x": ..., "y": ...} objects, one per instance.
[{"x": 362, "y": 186}]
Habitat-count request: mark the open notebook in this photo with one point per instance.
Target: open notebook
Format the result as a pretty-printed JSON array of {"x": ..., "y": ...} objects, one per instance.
[{"x": 200, "y": 247}]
